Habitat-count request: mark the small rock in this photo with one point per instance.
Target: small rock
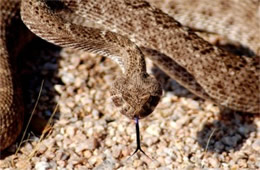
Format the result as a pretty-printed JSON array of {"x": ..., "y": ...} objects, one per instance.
[
  {"x": 61, "y": 163},
  {"x": 116, "y": 151},
  {"x": 41, "y": 148},
  {"x": 126, "y": 151},
  {"x": 74, "y": 159},
  {"x": 50, "y": 155},
  {"x": 168, "y": 160},
  {"x": 230, "y": 141},
  {"x": 258, "y": 164},
  {"x": 243, "y": 130},
  {"x": 214, "y": 162},
  {"x": 78, "y": 82},
  {"x": 68, "y": 78},
  {"x": 42, "y": 166},
  {"x": 71, "y": 130},
  {"x": 92, "y": 160},
  {"x": 219, "y": 146},
  {"x": 154, "y": 129},
  {"x": 87, "y": 154},
  {"x": 106, "y": 165},
  {"x": 256, "y": 145},
  {"x": 59, "y": 88},
  {"x": 91, "y": 144},
  {"x": 82, "y": 146},
  {"x": 149, "y": 141}
]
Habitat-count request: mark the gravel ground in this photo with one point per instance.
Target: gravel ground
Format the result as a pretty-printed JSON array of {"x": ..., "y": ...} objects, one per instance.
[{"x": 87, "y": 132}]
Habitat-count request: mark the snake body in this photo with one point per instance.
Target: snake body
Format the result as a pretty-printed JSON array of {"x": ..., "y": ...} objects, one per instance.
[{"x": 125, "y": 30}]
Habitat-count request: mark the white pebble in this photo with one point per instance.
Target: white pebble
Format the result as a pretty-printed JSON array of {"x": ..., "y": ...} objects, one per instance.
[
  {"x": 68, "y": 78},
  {"x": 256, "y": 145},
  {"x": 70, "y": 130},
  {"x": 41, "y": 166},
  {"x": 154, "y": 129}
]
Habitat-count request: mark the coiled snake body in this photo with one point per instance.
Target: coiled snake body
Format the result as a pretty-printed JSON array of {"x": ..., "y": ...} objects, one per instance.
[{"x": 124, "y": 30}]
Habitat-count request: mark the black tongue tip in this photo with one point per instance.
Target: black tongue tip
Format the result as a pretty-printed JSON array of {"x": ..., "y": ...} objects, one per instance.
[{"x": 138, "y": 141}]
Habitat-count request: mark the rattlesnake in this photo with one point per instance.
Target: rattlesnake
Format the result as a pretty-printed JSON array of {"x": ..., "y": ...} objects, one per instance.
[{"x": 124, "y": 30}]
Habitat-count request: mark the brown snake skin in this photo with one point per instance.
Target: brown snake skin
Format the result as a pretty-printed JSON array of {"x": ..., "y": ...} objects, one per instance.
[{"x": 124, "y": 30}]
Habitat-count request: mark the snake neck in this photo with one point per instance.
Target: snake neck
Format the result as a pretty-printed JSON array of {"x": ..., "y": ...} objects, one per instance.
[{"x": 57, "y": 28}]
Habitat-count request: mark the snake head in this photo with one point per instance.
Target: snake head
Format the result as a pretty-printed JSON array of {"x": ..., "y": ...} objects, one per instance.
[{"x": 136, "y": 96}]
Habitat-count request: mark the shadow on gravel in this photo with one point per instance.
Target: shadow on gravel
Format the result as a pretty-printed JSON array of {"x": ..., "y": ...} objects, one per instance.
[
  {"x": 229, "y": 132},
  {"x": 38, "y": 61},
  {"x": 232, "y": 128}
]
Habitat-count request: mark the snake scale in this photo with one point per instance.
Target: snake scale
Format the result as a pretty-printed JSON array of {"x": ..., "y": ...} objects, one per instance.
[{"x": 128, "y": 30}]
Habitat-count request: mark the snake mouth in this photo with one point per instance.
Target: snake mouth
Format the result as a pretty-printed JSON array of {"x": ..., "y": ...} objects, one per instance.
[
  {"x": 148, "y": 107},
  {"x": 144, "y": 110},
  {"x": 136, "y": 110}
]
